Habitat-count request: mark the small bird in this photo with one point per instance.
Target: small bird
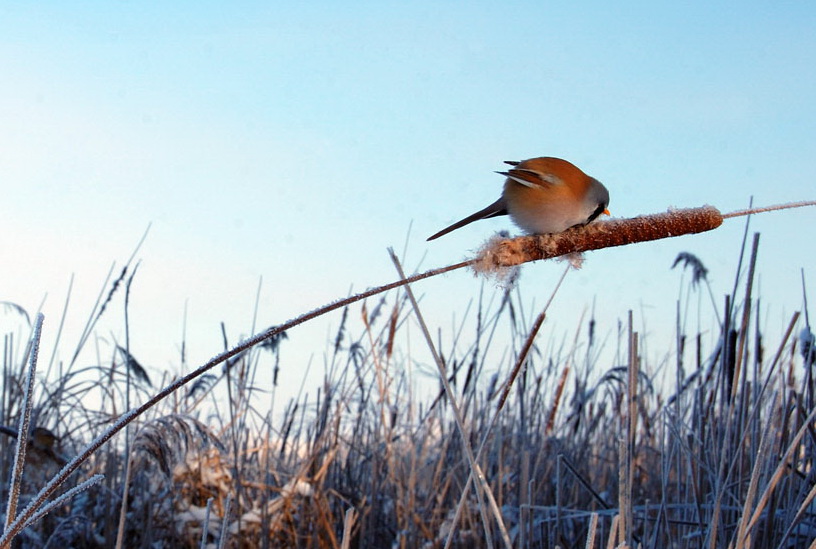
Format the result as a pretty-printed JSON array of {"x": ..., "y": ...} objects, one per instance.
[{"x": 544, "y": 195}]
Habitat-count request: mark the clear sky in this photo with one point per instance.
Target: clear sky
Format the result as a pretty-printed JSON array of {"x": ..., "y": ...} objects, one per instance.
[{"x": 297, "y": 141}]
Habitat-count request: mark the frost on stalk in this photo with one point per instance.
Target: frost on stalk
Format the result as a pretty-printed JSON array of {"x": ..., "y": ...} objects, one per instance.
[{"x": 807, "y": 342}]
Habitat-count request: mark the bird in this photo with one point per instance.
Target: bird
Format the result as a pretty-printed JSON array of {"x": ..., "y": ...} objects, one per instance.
[{"x": 544, "y": 195}]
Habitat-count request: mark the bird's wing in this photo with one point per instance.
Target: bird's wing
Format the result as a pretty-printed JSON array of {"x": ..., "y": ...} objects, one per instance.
[{"x": 532, "y": 178}]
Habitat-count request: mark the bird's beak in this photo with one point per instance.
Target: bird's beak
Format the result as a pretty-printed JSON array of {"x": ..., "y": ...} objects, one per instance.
[{"x": 606, "y": 212}]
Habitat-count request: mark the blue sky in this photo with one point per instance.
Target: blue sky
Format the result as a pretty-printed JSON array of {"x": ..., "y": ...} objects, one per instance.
[{"x": 297, "y": 142}]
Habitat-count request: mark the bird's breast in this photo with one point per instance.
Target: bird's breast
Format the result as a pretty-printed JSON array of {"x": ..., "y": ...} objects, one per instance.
[{"x": 541, "y": 211}]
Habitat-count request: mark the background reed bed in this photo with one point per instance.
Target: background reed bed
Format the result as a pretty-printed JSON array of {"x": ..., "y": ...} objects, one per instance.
[{"x": 525, "y": 442}]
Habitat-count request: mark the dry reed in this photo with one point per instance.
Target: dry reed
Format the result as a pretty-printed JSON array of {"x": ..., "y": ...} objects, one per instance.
[{"x": 723, "y": 460}]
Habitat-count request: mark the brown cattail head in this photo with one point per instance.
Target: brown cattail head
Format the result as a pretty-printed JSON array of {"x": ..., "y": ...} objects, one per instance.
[{"x": 501, "y": 252}]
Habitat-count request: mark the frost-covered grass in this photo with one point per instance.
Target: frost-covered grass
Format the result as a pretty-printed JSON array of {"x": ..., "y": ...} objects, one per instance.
[{"x": 551, "y": 446}]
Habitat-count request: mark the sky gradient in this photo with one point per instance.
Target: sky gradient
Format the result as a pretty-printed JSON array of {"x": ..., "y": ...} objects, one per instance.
[{"x": 295, "y": 143}]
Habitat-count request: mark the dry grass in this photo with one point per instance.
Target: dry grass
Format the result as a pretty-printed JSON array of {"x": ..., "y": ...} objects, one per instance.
[{"x": 557, "y": 448}]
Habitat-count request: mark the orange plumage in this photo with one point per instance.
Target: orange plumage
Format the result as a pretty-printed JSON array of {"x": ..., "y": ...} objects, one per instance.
[{"x": 544, "y": 195}]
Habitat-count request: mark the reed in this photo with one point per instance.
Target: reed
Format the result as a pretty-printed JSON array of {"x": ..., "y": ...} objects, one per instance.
[{"x": 561, "y": 446}]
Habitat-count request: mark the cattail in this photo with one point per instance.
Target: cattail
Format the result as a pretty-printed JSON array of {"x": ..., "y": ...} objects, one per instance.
[{"x": 501, "y": 252}]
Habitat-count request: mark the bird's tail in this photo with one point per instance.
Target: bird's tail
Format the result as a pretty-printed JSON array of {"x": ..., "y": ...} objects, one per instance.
[{"x": 494, "y": 210}]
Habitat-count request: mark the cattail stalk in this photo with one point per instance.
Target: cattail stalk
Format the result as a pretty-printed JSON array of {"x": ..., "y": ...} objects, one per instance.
[{"x": 500, "y": 252}]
